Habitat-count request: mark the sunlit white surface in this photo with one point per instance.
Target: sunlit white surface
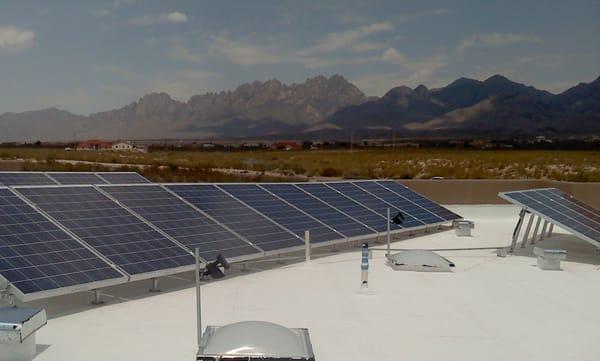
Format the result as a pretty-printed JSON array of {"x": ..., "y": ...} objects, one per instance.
[{"x": 488, "y": 308}]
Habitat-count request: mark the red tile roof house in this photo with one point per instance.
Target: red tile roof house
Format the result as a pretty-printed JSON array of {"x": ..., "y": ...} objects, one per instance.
[{"x": 94, "y": 144}]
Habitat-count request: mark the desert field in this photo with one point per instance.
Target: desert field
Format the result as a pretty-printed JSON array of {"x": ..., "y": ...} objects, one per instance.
[{"x": 575, "y": 166}]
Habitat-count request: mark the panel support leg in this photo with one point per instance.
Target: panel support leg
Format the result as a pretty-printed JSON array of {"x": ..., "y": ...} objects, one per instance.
[
  {"x": 97, "y": 300},
  {"x": 244, "y": 267},
  {"x": 535, "y": 231},
  {"x": 543, "y": 234},
  {"x": 526, "y": 235},
  {"x": 550, "y": 230},
  {"x": 154, "y": 287},
  {"x": 517, "y": 230},
  {"x": 333, "y": 248}
]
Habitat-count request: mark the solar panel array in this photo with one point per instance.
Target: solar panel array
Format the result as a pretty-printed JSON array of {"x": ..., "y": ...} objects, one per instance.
[
  {"x": 69, "y": 178},
  {"x": 181, "y": 221},
  {"x": 237, "y": 216},
  {"x": 36, "y": 255},
  {"x": 562, "y": 209},
  {"x": 84, "y": 234},
  {"x": 110, "y": 229}
]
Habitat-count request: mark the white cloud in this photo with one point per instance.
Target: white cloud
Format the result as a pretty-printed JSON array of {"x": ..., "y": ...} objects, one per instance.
[
  {"x": 181, "y": 52},
  {"x": 340, "y": 40},
  {"x": 117, "y": 70},
  {"x": 174, "y": 17},
  {"x": 16, "y": 39},
  {"x": 391, "y": 55},
  {"x": 412, "y": 72},
  {"x": 242, "y": 52},
  {"x": 496, "y": 40},
  {"x": 366, "y": 46}
]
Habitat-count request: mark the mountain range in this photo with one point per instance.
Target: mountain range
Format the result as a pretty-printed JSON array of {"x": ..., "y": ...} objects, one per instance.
[{"x": 328, "y": 107}]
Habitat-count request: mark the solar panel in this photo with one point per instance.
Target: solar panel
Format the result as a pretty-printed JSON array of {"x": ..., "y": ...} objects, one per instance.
[
  {"x": 281, "y": 212},
  {"x": 24, "y": 178},
  {"x": 419, "y": 200},
  {"x": 70, "y": 178},
  {"x": 108, "y": 228},
  {"x": 372, "y": 202},
  {"x": 38, "y": 256},
  {"x": 242, "y": 219},
  {"x": 319, "y": 210},
  {"x": 181, "y": 221},
  {"x": 560, "y": 208},
  {"x": 346, "y": 205},
  {"x": 122, "y": 177}
]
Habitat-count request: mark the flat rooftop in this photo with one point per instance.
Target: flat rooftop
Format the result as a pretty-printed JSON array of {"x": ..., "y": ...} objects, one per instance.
[{"x": 488, "y": 308}]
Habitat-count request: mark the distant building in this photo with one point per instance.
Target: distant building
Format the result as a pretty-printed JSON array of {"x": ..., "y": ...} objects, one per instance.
[
  {"x": 129, "y": 147},
  {"x": 94, "y": 144},
  {"x": 286, "y": 146},
  {"x": 123, "y": 146}
]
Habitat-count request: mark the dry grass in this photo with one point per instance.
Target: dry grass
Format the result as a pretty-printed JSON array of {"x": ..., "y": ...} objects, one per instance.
[{"x": 579, "y": 166}]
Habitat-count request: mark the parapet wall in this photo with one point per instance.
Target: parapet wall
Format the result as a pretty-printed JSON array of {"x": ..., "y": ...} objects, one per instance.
[{"x": 485, "y": 191}]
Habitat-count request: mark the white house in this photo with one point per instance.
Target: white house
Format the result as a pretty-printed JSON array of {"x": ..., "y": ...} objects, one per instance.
[{"x": 123, "y": 146}]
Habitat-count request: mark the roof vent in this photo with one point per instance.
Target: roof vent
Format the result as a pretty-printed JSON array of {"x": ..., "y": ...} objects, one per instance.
[
  {"x": 255, "y": 340},
  {"x": 419, "y": 261}
]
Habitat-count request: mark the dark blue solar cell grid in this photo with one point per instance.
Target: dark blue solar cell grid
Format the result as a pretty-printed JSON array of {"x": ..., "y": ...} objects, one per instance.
[
  {"x": 24, "y": 178},
  {"x": 181, "y": 221},
  {"x": 281, "y": 212},
  {"x": 122, "y": 178},
  {"x": 559, "y": 209},
  {"x": 318, "y": 209},
  {"x": 421, "y": 201},
  {"x": 36, "y": 255},
  {"x": 237, "y": 216},
  {"x": 411, "y": 211},
  {"x": 375, "y": 204},
  {"x": 110, "y": 229},
  {"x": 572, "y": 203},
  {"x": 368, "y": 200},
  {"x": 69, "y": 178},
  {"x": 346, "y": 205}
]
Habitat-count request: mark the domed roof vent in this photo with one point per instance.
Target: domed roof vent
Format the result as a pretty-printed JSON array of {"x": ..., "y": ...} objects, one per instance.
[{"x": 255, "y": 340}]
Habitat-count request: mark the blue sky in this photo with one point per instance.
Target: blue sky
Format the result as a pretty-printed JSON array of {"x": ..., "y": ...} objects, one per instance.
[{"x": 88, "y": 56}]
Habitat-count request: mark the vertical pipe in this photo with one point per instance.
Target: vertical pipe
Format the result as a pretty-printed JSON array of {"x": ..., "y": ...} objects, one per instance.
[
  {"x": 364, "y": 266},
  {"x": 389, "y": 234},
  {"x": 307, "y": 246},
  {"x": 198, "y": 301},
  {"x": 526, "y": 235}
]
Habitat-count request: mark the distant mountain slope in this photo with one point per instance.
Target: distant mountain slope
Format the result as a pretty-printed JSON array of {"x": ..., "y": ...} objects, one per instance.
[
  {"x": 327, "y": 107},
  {"x": 470, "y": 107}
]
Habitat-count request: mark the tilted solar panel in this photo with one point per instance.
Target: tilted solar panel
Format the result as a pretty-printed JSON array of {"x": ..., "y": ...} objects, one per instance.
[
  {"x": 36, "y": 256},
  {"x": 346, "y": 205},
  {"x": 318, "y": 209},
  {"x": 419, "y": 200},
  {"x": 70, "y": 178},
  {"x": 245, "y": 221},
  {"x": 122, "y": 177},
  {"x": 560, "y": 208},
  {"x": 281, "y": 212},
  {"x": 372, "y": 202},
  {"x": 24, "y": 178},
  {"x": 181, "y": 221},
  {"x": 109, "y": 228},
  {"x": 406, "y": 206}
]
